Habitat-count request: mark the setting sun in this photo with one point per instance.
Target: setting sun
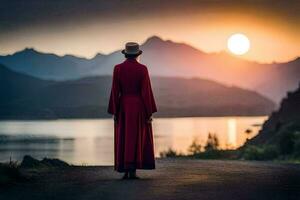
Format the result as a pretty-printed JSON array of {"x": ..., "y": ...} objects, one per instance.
[{"x": 238, "y": 44}]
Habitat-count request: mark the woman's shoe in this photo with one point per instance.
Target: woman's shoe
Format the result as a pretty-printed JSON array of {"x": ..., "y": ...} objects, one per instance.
[
  {"x": 132, "y": 175},
  {"x": 125, "y": 176}
]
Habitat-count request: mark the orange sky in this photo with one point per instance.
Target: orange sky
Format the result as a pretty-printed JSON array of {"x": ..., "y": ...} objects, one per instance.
[{"x": 273, "y": 32}]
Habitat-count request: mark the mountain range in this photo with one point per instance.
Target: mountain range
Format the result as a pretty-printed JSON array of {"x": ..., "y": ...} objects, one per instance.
[
  {"x": 27, "y": 97},
  {"x": 169, "y": 59}
]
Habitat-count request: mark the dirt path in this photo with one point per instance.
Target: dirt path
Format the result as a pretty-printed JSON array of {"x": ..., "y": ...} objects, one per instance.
[{"x": 173, "y": 179}]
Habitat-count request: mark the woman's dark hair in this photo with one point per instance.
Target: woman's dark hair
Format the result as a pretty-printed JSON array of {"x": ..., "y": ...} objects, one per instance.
[{"x": 131, "y": 56}]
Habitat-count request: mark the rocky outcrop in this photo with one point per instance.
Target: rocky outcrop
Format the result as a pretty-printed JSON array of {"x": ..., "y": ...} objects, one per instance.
[
  {"x": 30, "y": 162},
  {"x": 286, "y": 119}
]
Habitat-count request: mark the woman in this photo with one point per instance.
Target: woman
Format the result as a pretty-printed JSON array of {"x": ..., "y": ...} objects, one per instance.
[{"x": 132, "y": 104}]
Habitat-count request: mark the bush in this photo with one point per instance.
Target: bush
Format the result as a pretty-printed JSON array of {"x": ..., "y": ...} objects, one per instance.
[
  {"x": 268, "y": 152},
  {"x": 287, "y": 143},
  {"x": 195, "y": 147},
  {"x": 211, "y": 154},
  {"x": 297, "y": 148},
  {"x": 169, "y": 153},
  {"x": 212, "y": 142}
]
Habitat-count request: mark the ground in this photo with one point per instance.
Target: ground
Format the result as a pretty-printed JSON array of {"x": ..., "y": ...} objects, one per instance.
[{"x": 173, "y": 179}]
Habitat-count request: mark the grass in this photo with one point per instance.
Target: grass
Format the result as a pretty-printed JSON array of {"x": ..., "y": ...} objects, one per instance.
[{"x": 9, "y": 173}]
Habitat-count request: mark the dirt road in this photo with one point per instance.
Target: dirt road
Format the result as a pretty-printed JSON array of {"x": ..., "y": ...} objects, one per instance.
[{"x": 173, "y": 179}]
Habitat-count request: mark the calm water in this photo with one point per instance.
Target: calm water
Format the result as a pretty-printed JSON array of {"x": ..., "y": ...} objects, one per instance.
[{"x": 91, "y": 141}]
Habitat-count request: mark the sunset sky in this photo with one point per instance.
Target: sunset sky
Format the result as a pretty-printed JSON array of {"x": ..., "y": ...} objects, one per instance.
[{"x": 85, "y": 28}]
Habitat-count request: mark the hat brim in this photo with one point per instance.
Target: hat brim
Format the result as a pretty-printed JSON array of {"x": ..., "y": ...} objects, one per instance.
[{"x": 137, "y": 53}]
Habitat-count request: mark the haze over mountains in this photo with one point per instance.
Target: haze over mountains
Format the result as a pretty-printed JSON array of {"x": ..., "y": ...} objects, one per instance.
[
  {"x": 166, "y": 58},
  {"x": 26, "y": 97}
]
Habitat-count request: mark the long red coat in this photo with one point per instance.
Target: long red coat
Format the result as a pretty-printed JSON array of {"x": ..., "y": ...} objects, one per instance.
[{"x": 132, "y": 102}]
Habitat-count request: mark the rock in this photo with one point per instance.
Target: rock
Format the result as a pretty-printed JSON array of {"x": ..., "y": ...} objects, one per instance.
[
  {"x": 30, "y": 162},
  {"x": 54, "y": 162}
]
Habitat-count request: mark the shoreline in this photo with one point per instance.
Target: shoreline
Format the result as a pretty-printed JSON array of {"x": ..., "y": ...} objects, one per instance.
[{"x": 155, "y": 117}]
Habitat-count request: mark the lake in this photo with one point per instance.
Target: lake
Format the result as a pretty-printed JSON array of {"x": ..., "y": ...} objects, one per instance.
[{"x": 90, "y": 141}]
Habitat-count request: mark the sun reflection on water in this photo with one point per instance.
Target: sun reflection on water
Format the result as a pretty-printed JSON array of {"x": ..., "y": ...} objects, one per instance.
[
  {"x": 91, "y": 141},
  {"x": 231, "y": 124}
]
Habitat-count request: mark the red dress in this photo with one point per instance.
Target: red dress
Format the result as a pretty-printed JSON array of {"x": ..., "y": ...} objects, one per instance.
[{"x": 132, "y": 102}]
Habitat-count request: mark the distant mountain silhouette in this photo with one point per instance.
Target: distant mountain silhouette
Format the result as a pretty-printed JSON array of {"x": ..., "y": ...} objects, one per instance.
[
  {"x": 46, "y": 66},
  {"x": 166, "y": 58},
  {"x": 285, "y": 120},
  {"x": 26, "y": 97}
]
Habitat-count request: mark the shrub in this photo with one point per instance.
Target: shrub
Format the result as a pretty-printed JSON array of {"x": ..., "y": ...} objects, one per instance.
[
  {"x": 268, "y": 152},
  {"x": 287, "y": 143},
  {"x": 169, "y": 153},
  {"x": 212, "y": 142},
  {"x": 210, "y": 154},
  {"x": 297, "y": 148},
  {"x": 195, "y": 148}
]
